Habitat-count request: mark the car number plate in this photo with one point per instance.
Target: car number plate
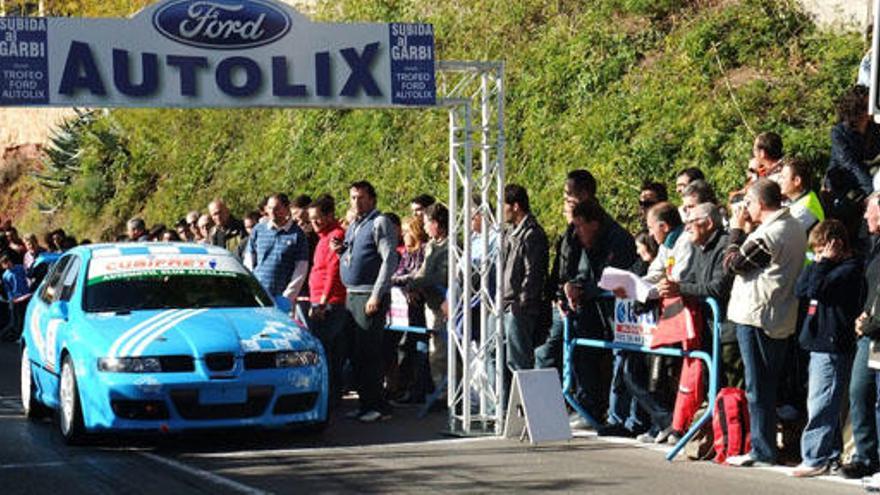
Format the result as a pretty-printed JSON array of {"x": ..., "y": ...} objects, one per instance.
[{"x": 223, "y": 395}]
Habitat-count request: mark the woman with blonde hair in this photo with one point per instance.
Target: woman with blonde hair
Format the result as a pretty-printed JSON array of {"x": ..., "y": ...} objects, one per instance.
[{"x": 402, "y": 366}]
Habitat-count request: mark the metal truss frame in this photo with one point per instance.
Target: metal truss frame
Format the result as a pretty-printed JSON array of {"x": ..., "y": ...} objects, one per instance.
[{"x": 475, "y": 358}]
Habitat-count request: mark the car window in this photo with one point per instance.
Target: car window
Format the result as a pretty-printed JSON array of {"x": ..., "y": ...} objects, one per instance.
[
  {"x": 53, "y": 279},
  {"x": 68, "y": 280},
  {"x": 151, "y": 291},
  {"x": 162, "y": 280}
]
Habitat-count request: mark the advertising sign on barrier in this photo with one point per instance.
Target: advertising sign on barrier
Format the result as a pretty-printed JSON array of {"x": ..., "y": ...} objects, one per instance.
[
  {"x": 398, "y": 313},
  {"x": 631, "y": 327},
  {"x": 214, "y": 53}
]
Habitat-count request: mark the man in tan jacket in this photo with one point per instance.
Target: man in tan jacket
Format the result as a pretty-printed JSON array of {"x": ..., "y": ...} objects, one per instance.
[{"x": 763, "y": 305}]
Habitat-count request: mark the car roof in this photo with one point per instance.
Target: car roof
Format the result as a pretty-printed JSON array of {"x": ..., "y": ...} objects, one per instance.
[{"x": 146, "y": 248}]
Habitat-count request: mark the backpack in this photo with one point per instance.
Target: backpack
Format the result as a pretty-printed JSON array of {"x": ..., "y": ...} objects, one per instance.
[
  {"x": 701, "y": 446},
  {"x": 730, "y": 424}
]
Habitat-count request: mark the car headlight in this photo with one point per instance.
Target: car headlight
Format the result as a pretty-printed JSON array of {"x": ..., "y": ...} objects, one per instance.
[
  {"x": 296, "y": 359},
  {"x": 130, "y": 365}
]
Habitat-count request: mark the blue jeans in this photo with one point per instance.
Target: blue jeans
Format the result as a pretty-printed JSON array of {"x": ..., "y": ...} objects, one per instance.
[
  {"x": 520, "y": 329},
  {"x": 762, "y": 359},
  {"x": 637, "y": 378},
  {"x": 862, "y": 397},
  {"x": 822, "y": 441},
  {"x": 623, "y": 409}
]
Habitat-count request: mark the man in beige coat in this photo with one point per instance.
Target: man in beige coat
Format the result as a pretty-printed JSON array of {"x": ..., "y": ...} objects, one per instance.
[{"x": 763, "y": 305}]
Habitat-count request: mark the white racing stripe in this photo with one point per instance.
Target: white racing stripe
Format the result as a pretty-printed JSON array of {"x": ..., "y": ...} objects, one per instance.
[
  {"x": 159, "y": 331},
  {"x": 204, "y": 475},
  {"x": 128, "y": 333},
  {"x": 125, "y": 351},
  {"x": 258, "y": 454}
]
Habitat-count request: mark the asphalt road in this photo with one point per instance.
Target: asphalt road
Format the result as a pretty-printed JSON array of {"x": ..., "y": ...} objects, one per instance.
[{"x": 402, "y": 455}]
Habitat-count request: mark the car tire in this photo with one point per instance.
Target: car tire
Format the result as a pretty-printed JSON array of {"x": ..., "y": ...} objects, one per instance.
[
  {"x": 70, "y": 420},
  {"x": 32, "y": 407}
]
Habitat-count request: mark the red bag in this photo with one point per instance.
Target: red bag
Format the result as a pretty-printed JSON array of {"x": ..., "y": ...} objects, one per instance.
[{"x": 730, "y": 423}]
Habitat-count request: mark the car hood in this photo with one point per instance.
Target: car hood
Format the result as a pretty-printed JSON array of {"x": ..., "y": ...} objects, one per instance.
[{"x": 196, "y": 332}]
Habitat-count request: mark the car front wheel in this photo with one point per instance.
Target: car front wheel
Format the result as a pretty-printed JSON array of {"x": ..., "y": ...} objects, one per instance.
[
  {"x": 70, "y": 419},
  {"x": 32, "y": 407}
]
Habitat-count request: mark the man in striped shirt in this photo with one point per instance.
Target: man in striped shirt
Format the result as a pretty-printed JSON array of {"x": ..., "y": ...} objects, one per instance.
[{"x": 278, "y": 253}]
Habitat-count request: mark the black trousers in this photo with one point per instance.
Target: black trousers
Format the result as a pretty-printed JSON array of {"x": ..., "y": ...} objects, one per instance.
[{"x": 367, "y": 355}]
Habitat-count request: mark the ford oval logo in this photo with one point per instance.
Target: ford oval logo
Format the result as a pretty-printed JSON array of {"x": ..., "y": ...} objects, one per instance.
[{"x": 222, "y": 24}]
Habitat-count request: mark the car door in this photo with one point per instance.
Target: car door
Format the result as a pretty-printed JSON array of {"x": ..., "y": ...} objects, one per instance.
[
  {"x": 39, "y": 321},
  {"x": 60, "y": 320}
]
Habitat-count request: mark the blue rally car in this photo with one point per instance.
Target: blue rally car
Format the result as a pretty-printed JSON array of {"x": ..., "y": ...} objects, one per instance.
[{"x": 165, "y": 337}]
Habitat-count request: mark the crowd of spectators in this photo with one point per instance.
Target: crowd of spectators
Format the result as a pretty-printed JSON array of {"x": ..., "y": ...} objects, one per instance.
[{"x": 793, "y": 267}]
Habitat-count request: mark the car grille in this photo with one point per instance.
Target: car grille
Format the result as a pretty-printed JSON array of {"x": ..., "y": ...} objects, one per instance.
[
  {"x": 177, "y": 363},
  {"x": 140, "y": 409},
  {"x": 295, "y": 403},
  {"x": 220, "y": 361},
  {"x": 259, "y": 360},
  {"x": 186, "y": 402}
]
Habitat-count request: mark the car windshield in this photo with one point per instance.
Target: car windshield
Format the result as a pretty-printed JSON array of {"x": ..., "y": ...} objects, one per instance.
[{"x": 158, "y": 291}]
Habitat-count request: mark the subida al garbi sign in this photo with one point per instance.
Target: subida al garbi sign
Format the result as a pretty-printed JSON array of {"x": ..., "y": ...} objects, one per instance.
[{"x": 214, "y": 53}]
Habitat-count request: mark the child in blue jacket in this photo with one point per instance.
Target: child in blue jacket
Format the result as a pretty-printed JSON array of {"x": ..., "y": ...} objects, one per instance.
[{"x": 831, "y": 286}]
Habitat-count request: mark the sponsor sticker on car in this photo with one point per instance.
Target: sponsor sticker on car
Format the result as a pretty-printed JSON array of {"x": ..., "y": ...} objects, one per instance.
[{"x": 159, "y": 265}]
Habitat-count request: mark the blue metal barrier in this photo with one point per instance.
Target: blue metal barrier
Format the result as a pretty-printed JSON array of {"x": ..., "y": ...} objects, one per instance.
[{"x": 712, "y": 362}]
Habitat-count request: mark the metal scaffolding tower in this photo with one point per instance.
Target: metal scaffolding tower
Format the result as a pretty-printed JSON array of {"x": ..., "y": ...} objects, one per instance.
[{"x": 475, "y": 341}]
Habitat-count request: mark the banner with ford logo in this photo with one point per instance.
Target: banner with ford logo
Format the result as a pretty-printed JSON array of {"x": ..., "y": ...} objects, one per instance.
[{"x": 214, "y": 53}]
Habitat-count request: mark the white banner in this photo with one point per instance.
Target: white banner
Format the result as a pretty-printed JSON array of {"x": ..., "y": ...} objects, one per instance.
[{"x": 214, "y": 53}]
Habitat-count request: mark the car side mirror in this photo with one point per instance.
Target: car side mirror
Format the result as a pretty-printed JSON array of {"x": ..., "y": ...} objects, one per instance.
[{"x": 58, "y": 310}]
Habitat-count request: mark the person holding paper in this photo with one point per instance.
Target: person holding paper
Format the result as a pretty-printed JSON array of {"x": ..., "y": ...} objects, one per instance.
[{"x": 604, "y": 243}]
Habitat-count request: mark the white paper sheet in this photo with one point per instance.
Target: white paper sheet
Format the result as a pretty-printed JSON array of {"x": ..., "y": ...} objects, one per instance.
[{"x": 635, "y": 287}]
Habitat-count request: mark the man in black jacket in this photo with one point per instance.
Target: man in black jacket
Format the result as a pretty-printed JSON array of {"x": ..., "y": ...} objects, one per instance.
[
  {"x": 580, "y": 186},
  {"x": 526, "y": 253},
  {"x": 707, "y": 278},
  {"x": 863, "y": 380},
  {"x": 604, "y": 243}
]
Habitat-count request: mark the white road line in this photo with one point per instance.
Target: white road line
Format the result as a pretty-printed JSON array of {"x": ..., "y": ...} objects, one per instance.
[
  {"x": 785, "y": 470},
  {"x": 248, "y": 454},
  {"x": 204, "y": 475},
  {"x": 29, "y": 465}
]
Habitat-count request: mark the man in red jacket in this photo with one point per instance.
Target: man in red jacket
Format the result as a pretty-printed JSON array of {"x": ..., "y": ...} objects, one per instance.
[{"x": 328, "y": 316}]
